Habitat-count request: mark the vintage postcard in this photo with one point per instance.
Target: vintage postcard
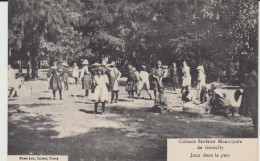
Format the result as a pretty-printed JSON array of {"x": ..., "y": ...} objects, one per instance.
[{"x": 132, "y": 80}]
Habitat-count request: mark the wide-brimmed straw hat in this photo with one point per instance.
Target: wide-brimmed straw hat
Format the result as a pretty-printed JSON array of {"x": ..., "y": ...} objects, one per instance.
[
  {"x": 200, "y": 68},
  {"x": 143, "y": 67},
  {"x": 65, "y": 64},
  {"x": 85, "y": 62},
  {"x": 113, "y": 64}
]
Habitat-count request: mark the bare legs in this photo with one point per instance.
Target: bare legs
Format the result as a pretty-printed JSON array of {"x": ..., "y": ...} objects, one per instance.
[{"x": 139, "y": 93}]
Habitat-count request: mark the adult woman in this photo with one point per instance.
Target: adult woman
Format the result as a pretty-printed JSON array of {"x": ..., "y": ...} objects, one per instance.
[
  {"x": 114, "y": 74},
  {"x": 101, "y": 83},
  {"x": 85, "y": 76},
  {"x": 201, "y": 81},
  {"x": 174, "y": 76},
  {"x": 186, "y": 78},
  {"x": 250, "y": 95},
  {"x": 157, "y": 75},
  {"x": 65, "y": 76},
  {"x": 55, "y": 81},
  {"x": 75, "y": 73},
  {"x": 219, "y": 103}
]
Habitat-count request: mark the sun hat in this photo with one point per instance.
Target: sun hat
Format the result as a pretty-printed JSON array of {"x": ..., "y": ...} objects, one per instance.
[
  {"x": 113, "y": 63},
  {"x": 85, "y": 62},
  {"x": 143, "y": 67},
  {"x": 129, "y": 66},
  {"x": 200, "y": 67},
  {"x": 65, "y": 64}
]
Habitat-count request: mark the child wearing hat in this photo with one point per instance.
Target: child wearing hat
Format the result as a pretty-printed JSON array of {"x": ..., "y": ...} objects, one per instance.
[
  {"x": 85, "y": 76},
  {"x": 114, "y": 74}
]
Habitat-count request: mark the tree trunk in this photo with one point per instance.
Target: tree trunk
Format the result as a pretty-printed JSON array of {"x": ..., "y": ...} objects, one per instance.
[{"x": 20, "y": 64}]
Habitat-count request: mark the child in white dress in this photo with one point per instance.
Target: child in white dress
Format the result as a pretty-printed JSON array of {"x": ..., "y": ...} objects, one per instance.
[{"x": 101, "y": 83}]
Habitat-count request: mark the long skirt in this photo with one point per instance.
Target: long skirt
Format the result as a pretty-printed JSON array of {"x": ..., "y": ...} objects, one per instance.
[
  {"x": 66, "y": 77},
  {"x": 55, "y": 82},
  {"x": 113, "y": 84},
  {"x": 86, "y": 82},
  {"x": 175, "y": 79},
  {"x": 186, "y": 81},
  {"x": 221, "y": 110}
]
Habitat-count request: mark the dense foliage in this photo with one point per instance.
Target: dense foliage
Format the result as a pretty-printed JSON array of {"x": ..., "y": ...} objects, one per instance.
[{"x": 221, "y": 35}]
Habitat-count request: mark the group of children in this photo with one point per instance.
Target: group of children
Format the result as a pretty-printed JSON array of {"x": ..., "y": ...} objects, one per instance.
[
  {"x": 137, "y": 81},
  {"x": 105, "y": 78}
]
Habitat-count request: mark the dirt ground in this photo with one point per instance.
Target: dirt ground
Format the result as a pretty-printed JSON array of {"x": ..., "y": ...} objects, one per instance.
[{"x": 129, "y": 130}]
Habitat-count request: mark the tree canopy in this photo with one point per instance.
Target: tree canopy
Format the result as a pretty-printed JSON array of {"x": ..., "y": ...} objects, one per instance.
[{"x": 138, "y": 32}]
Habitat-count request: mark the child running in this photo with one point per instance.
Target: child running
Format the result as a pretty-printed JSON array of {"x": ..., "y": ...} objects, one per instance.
[{"x": 143, "y": 83}]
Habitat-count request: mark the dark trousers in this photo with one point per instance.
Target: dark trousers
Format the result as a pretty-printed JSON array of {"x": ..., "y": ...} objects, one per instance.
[{"x": 54, "y": 93}]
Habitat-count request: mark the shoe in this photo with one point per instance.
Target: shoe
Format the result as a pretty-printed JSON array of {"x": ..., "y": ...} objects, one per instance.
[
  {"x": 61, "y": 99},
  {"x": 115, "y": 101}
]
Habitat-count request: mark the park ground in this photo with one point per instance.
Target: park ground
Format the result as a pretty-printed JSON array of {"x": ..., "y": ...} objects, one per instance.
[{"x": 129, "y": 130}]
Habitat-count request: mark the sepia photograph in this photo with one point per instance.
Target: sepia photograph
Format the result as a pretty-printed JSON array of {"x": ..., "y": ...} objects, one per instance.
[{"x": 112, "y": 80}]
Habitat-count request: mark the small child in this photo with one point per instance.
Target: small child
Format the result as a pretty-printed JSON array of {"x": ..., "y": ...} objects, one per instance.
[
  {"x": 186, "y": 95},
  {"x": 114, "y": 74},
  {"x": 161, "y": 104},
  {"x": 132, "y": 81},
  {"x": 101, "y": 83},
  {"x": 143, "y": 83}
]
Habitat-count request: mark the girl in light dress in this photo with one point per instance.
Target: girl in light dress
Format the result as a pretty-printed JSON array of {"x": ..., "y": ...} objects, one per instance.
[
  {"x": 75, "y": 73},
  {"x": 101, "y": 84},
  {"x": 143, "y": 83},
  {"x": 114, "y": 74},
  {"x": 186, "y": 78},
  {"x": 201, "y": 82}
]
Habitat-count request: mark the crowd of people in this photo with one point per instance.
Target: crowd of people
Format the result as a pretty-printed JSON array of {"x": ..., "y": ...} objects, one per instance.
[{"x": 102, "y": 78}]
